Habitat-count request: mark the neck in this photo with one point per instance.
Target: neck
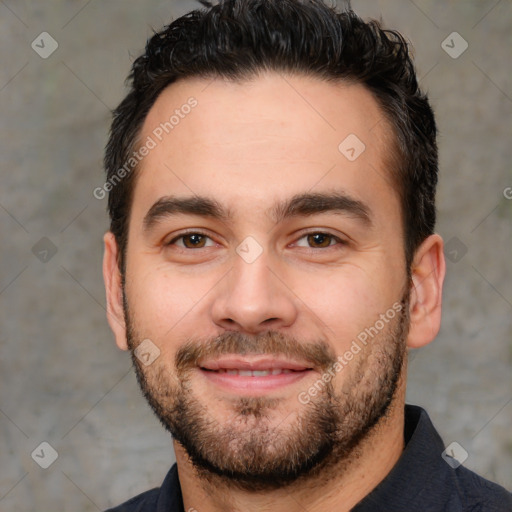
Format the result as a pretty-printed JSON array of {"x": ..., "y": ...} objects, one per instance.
[{"x": 339, "y": 488}]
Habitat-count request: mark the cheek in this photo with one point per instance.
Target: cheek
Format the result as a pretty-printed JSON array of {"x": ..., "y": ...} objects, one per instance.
[
  {"x": 347, "y": 301},
  {"x": 162, "y": 303}
]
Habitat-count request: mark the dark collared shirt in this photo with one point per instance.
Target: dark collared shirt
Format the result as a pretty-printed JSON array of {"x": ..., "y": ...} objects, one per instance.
[{"x": 421, "y": 481}]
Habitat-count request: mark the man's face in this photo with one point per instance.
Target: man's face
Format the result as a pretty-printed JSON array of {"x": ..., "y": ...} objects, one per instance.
[{"x": 251, "y": 310}]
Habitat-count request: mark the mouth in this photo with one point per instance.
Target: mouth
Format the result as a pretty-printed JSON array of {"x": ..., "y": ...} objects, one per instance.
[
  {"x": 252, "y": 373},
  {"x": 253, "y": 376}
]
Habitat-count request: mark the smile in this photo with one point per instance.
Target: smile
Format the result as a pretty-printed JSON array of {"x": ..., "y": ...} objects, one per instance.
[
  {"x": 252, "y": 376},
  {"x": 253, "y": 373}
]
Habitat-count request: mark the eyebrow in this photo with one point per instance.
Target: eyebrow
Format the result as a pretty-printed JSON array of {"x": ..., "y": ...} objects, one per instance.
[
  {"x": 169, "y": 206},
  {"x": 300, "y": 205}
]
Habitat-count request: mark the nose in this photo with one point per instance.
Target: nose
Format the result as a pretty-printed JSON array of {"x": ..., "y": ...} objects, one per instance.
[{"x": 254, "y": 297}]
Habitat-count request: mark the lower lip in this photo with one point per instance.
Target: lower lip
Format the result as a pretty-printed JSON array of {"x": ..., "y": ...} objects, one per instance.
[{"x": 249, "y": 384}]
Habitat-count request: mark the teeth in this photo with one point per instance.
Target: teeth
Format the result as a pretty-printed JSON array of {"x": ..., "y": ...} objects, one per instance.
[{"x": 255, "y": 373}]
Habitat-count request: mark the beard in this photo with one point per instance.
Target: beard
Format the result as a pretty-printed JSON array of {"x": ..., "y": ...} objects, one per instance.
[{"x": 253, "y": 448}]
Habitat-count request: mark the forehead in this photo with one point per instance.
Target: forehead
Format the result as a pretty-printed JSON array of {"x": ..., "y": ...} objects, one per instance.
[{"x": 258, "y": 139}]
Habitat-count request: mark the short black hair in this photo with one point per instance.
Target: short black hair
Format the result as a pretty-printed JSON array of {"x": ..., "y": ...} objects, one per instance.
[{"x": 237, "y": 39}]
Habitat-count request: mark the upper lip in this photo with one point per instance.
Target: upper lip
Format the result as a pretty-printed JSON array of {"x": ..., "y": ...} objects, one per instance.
[{"x": 252, "y": 363}]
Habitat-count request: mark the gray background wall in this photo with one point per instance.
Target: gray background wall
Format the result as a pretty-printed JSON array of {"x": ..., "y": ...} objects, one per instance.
[{"x": 62, "y": 379}]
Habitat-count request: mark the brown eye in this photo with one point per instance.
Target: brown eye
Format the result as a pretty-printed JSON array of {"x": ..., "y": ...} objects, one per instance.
[
  {"x": 191, "y": 241},
  {"x": 319, "y": 240}
]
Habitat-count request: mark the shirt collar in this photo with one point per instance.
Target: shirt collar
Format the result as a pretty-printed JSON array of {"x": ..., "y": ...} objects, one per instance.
[{"x": 419, "y": 476}]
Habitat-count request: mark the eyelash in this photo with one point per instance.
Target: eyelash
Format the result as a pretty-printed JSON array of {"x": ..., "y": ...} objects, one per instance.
[{"x": 304, "y": 235}]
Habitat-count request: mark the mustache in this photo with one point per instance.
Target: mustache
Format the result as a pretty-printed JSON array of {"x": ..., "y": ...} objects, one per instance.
[{"x": 317, "y": 354}]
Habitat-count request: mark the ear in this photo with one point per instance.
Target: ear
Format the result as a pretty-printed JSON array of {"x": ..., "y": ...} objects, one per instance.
[
  {"x": 427, "y": 273},
  {"x": 114, "y": 290}
]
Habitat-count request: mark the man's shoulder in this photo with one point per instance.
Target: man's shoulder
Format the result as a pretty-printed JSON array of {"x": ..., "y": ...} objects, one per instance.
[
  {"x": 143, "y": 502},
  {"x": 165, "y": 498},
  {"x": 458, "y": 487},
  {"x": 481, "y": 494},
  {"x": 426, "y": 478}
]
